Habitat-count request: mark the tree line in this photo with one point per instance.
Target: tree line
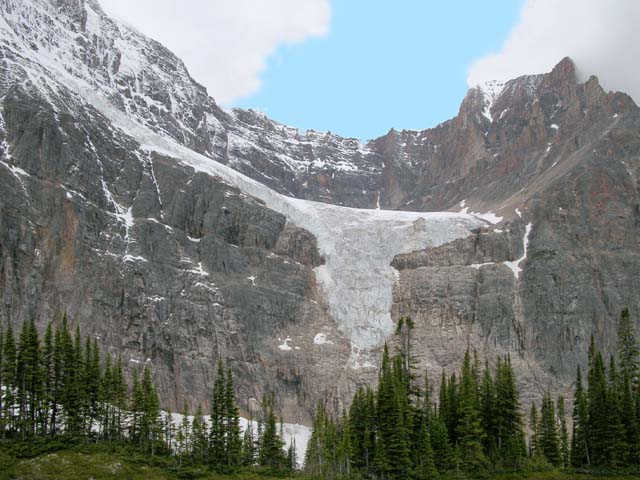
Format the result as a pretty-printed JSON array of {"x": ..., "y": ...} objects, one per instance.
[
  {"x": 474, "y": 426},
  {"x": 62, "y": 386}
]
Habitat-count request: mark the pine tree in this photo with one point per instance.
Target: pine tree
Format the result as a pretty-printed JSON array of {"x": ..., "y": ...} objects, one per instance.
[
  {"x": 10, "y": 380},
  {"x": 150, "y": 427},
  {"x": 629, "y": 420},
  {"x": 119, "y": 389},
  {"x": 598, "y": 398},
  {"x": 218, "y": 432},
  {"x": 534, "y": 427},
  {"x": 292, "y": 462},
  {"x": 249, "y": 444},
  {"x": 57, "y": 397},
  {"x": 392, "y": 440},
  {"x": 199, "y": 436},
  {"x": 628, "y": 352},
  {"x": 48, "y": 378},
  {"x": 2, "y": 380},
  {"x": 563, "y": 432},
  {"x": 136, "y": 407},
  {"x": 548, "y": 442},
  {"x": 233, "y": 441},
  {"x": 469, "y": 429},
  {"x": 183, "y": 436},
  {"x": 488, "y": 413},
  {"x": 579, "y": 438},
  {"x": 271, "y": 453}
]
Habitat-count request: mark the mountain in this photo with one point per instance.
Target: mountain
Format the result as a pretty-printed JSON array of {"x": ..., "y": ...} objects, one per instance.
[{"x": 175, "y": 231}]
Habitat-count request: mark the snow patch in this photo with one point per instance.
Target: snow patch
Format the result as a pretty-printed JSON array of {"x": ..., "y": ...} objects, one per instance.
[
  {"x": 285, "y": 344},
  {"x": 515, "y": 265},
  {"x": 477, "y": 266},
  {"x": 321, "y": 339},
  {"x": 490, "y": 93}
]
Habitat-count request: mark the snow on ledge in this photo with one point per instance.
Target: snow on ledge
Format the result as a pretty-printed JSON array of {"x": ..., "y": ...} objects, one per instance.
[
  {"x": 321, "y": 339},
  {"x": 285, "y": 344},
  {"x": 515, "y": 265}
]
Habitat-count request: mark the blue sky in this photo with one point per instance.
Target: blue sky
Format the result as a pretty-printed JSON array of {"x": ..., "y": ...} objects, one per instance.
[{"x": 401, "y": 64}]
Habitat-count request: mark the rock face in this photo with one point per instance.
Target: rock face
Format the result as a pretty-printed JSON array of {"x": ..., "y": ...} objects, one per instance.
[{"x": 175, "y": 262}]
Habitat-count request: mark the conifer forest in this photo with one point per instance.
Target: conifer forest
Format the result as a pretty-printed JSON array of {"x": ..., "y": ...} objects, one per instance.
[{"x": 60, "y": 390}]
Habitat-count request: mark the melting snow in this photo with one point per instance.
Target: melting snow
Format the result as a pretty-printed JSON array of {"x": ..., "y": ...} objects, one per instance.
[
  {"x": 515, "y": 265},
  {"x": 321, "y": 339},
  {"x": 285, "y": 344},
  {"x": 490, "y": 93}
]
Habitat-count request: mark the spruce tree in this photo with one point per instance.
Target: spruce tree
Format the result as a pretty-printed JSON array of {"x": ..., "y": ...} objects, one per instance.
[
  {"x": 292, "y": 462},
  {"x": 48, "y": 378},
  {"x": 271, "y": 453},
  {"x": 563, "y": 432},
  {"x": 628, "y": 352},
  {"x": 218, "y": 431},
  {"x": 598, "y": 398},
  {"x": 183, "y": 436},
  {"x": 548, "y": 441},
  {"x": 2, "y": 380},
  {"x": 233, "y": 441},
  {"x": 488, "y": 413},
  {"x": 510, "y": 435},
  {"x": 469, "y": 428},
  {"x": 579, "y": 437},
  {"x": 199, "y": 436},
  {"x": 249, "y": 444},
  {"x": 10, "y": 380}
]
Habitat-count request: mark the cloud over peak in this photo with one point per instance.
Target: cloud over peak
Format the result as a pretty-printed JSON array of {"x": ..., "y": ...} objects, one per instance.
[
  {"x": 225, "y": 43},
  {"x": 602, "y": 38}
]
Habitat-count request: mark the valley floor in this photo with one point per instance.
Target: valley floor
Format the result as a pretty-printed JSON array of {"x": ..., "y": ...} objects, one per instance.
[{"x": 96, "y": 465}]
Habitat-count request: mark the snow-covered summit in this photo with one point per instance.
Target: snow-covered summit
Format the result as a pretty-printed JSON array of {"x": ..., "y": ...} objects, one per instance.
[{"x": 490, "y": 92}]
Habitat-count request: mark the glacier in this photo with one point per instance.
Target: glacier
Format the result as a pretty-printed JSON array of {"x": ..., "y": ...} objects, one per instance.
[{"x": 358, "y": 245}]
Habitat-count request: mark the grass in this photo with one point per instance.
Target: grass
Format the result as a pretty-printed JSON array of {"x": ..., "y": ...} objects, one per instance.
[
  {"x": 72, "y": 465},
  {"x": 83, "y": 462}
]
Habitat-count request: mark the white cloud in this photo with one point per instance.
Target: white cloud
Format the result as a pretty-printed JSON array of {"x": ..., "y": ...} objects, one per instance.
[
  {"x": 601, "y": 36},
  {"x": 225, "y": 43}
]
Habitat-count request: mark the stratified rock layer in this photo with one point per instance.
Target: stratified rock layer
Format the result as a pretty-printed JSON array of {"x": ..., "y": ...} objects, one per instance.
[{"x": 173, "y": 264}]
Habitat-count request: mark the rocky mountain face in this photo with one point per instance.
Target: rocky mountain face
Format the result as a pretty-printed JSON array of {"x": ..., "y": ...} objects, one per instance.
[{"x": 175, "y": 231}]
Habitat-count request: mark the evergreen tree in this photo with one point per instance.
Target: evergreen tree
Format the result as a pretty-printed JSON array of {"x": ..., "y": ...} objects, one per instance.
[
  {"x": 469, "y": 429},
  {"x": 598, "y": 398},
  {"x": 563, "y": 432},
  {"x": 628, "y": 352},
  {"x": 199, "y": 436},
  {"x": 616, "y": 447},
  {"x": 579, "y": 438},
  {"x": 217, "y": 433},
  {"x": 48, "y": 374},
  {"x": 488, "y": 413},
  {"x": 233, "y": 441},
  {"x": 392, "y": 458},
  {"x": 2, "y": 379},
  {"x": 534, "y": 427},
  {"x": 10, "y": 380},
  {"x": 292, "y": 463},
  {"x": 249, "y": 444},
  {"x": 548, "y": 442},
  {"x": 271, "y": 453},
  {"x": 629, "y": 420},
  {"x": 183, "y": 435}
]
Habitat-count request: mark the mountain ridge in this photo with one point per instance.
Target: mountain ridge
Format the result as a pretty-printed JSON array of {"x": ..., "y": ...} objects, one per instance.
[{"x": 123, "y": 219}]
